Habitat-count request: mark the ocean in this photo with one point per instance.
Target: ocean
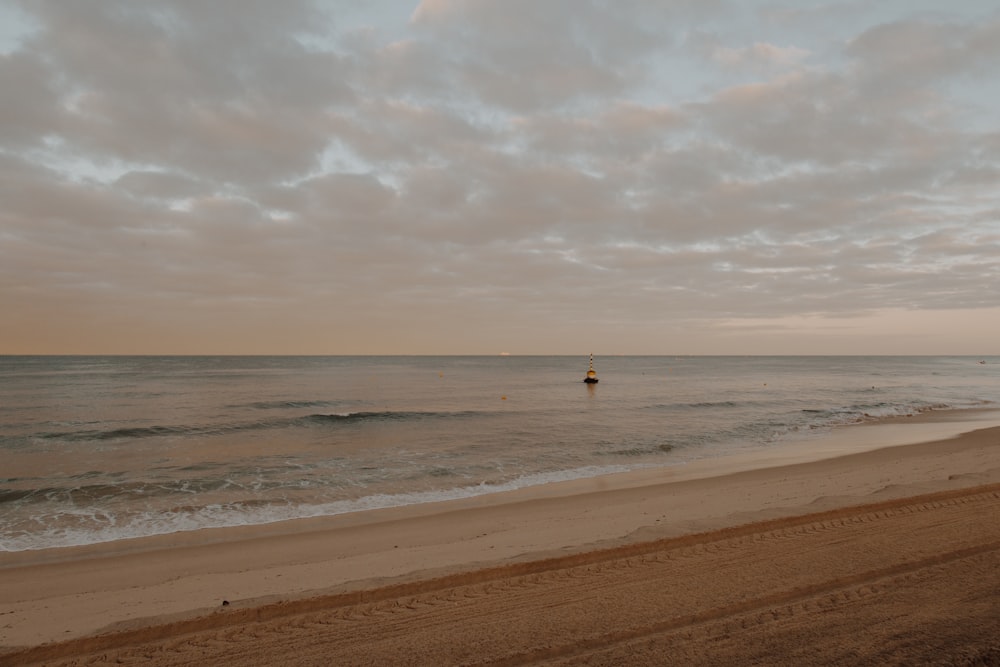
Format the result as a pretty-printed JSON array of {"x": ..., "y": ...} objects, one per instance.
[{"x": 95, "y": 449}]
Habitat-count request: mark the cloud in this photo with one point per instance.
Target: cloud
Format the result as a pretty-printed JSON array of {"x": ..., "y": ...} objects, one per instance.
[
  {"x": 456, "y": 176},
  {"x": 761, "y": 56},
  {"x": 915, "y": 52}
]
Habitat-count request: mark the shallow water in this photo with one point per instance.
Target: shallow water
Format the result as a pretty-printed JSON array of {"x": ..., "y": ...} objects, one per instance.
[{"x": 102, "y": 448}]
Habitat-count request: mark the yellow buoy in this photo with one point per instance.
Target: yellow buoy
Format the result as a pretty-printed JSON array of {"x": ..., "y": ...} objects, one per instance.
[{"x": 591, "y": 374}]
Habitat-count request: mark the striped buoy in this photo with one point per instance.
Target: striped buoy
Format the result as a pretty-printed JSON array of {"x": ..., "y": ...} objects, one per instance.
[{"x": 591, "y": 375}]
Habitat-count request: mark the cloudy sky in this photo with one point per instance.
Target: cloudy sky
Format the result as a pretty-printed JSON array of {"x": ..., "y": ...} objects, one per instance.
[{"x": 485, "y": 176}]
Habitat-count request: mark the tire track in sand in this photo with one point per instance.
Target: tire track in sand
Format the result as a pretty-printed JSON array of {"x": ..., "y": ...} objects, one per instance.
[
  {"x": 578, "y": 608},
  {"x": 820, "y": 597}
]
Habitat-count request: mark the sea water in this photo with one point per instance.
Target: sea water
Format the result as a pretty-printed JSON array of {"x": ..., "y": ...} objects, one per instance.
[{"x": 94, "y": 449}]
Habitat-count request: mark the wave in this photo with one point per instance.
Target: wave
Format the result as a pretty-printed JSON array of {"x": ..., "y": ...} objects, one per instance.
[
  {"x": 284, "y": 405},
  {"x": 312, "y": 420},
  {"x": 701, "y": 405},
  {"x": 97, "y": 525},
  {"x": 76, "y": 491},
  {"x": 388, "y": 416},
  {"x": 639, "y": 450},
  {"x": 876, "y": 410}
]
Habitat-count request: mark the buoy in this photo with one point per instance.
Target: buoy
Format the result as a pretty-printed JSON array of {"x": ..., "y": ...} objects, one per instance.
[{"x": 591, "y": 375}]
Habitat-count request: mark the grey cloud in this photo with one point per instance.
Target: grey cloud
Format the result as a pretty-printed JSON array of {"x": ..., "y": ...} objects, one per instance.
[
  {"x": 27, "y": 107},
  {"x": 159, "y": 185},
  {"x": 389, "y": 132},
  {"x": 624, "y": 131},
  {"x": 222, "y": 92},
  {"x": 913, "y": 52},
  {"x": 819, "y": 118},
  {"x": 347, "y": 199},
  {"x": 526, "y": 164},
  {"x": 522, "y": 55}
]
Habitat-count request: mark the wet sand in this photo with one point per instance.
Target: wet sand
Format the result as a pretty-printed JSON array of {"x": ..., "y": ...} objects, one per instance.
[{"x": 880, "y": 553}]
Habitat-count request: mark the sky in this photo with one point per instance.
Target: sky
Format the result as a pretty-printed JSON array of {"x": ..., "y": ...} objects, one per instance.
[{"x": 480, "y": 177}]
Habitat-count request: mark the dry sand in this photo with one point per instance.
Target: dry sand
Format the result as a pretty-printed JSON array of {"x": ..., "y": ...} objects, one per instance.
[{"x": 883, "y": 554}]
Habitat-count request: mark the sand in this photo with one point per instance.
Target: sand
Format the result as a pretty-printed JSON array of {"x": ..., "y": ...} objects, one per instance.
[{"x": 858, "y": 549}]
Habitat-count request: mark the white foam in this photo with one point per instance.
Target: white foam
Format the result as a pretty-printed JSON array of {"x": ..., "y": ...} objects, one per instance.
[{"x": 148, "y": 524}]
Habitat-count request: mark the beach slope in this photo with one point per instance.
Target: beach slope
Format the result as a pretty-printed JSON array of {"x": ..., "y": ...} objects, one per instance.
[{"x": 890, "y": 556}]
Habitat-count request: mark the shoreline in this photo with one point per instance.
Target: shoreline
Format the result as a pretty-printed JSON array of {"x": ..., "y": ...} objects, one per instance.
[
  {"x": 74, "y": 592},
  {"x": 840, "y": 440}
]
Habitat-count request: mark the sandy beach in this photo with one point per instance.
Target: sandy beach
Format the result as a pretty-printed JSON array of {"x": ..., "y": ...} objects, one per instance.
[{"x": 882, "y": 546}]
